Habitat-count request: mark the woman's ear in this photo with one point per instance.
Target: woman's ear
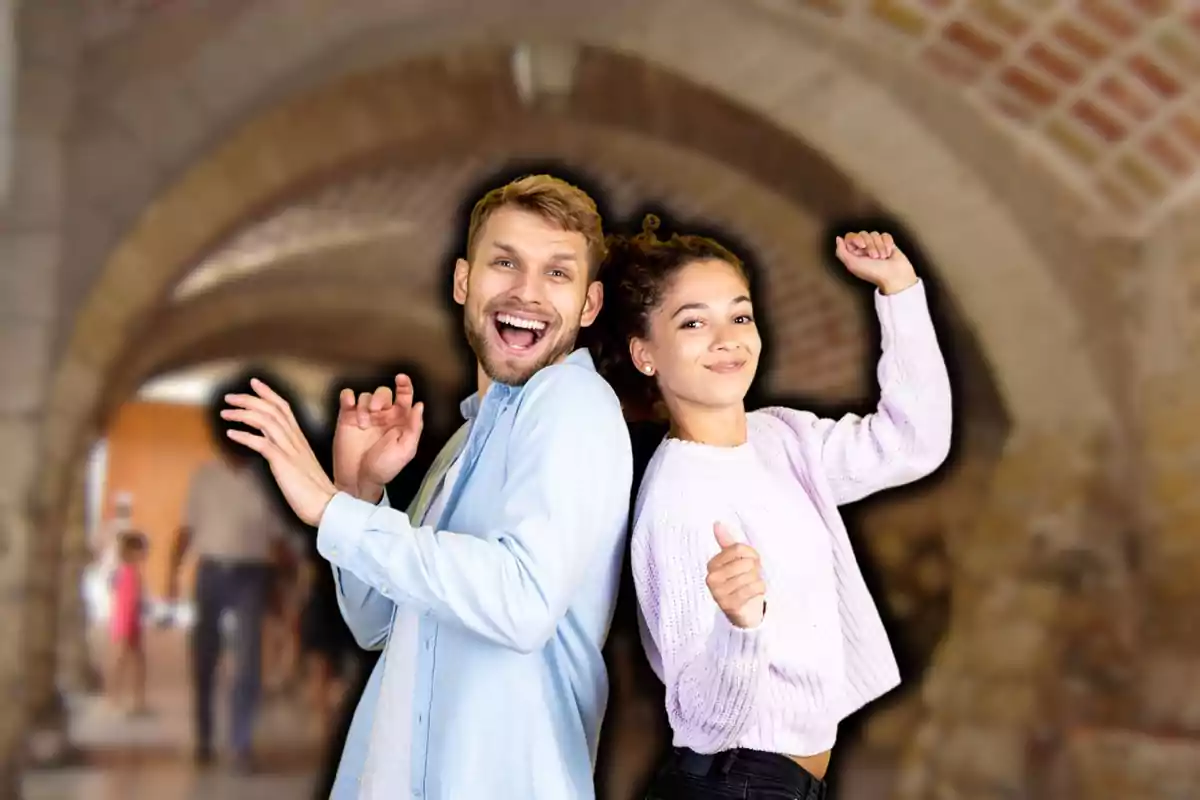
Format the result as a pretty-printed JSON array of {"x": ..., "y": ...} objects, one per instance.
[{"x": 639, "y": 353}]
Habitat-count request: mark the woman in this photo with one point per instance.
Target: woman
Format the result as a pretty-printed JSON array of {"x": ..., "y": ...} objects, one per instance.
[{"x": 754, "y": 613}]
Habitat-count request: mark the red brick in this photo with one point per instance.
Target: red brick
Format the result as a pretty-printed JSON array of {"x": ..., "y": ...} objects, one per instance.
[
  {"x": 1079, "y": 40},
  {"x": 1054, "y": 64},
  {"x": 1028, "y": 87},
  {"x": 1155, "y": 76},
  {"x": 1102, "y": 123},
  {"x": 1109, "y": 16},
  {"x": 1188, "y": 126},
  {"x": 1117, "y": 91},
  {"x": 1166, "y": 153},
  {"x": 974, "y": 42},
  {"x": 1152, "y": 8}
]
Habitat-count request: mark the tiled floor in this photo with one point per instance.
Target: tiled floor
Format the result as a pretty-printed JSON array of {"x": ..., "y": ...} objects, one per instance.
[{"x": 149, "y": 758}]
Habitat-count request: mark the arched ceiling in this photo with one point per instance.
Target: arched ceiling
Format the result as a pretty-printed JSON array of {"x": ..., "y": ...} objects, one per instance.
[
  {"x": 1103, "y": 91},
  {"x": 781, "y": 129},
  {"x": 411, "y": 213},
  {"x": 330, "y": 253}
]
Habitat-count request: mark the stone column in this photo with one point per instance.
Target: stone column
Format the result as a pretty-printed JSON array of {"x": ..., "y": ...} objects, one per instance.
[
  {"x": 1039, "y": 632},
  {"x": 1160, "y": 751},
  {"x": 76, "y": 667},
  {"x": 30, "y": 247}
]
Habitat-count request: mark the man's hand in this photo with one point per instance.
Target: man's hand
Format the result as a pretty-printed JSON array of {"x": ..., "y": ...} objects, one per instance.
[
  {"x": 375, "y": 438},
  {"x": 735, "y": 580},
  {"x": 875, "y": 258},
  {"x": 304, "y": 483}
]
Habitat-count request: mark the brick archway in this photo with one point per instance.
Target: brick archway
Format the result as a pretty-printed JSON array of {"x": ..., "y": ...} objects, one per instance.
[
  {"x": 946, "y": 180},
  {"x": 1009, "y": 294},
  {"x": 804, "y": 78}
]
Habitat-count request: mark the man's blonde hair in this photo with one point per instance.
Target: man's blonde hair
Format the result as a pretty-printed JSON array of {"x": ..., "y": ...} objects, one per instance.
[{"x": 556, "y": 201}]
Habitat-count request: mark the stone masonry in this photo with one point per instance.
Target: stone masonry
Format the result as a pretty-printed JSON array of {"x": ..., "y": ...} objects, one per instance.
[{"x": 1065, "y": 544}]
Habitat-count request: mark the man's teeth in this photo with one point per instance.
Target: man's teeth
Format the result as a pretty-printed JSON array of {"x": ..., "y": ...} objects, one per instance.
[{"x": 517, "y": 322}]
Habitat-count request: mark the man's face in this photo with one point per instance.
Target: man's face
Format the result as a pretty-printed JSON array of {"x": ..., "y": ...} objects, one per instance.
[{"x": 525, "y": 294}]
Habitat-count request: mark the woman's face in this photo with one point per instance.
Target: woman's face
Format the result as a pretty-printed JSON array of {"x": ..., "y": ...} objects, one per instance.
[{"x": 703, "y": 345}]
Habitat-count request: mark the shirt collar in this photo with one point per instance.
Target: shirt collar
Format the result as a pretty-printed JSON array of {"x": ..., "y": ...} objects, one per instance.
[{"x": 470, "y": 406}]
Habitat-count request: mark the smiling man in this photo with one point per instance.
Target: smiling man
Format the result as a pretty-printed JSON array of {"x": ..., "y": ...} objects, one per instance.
[{"x": 493, "y": 595}]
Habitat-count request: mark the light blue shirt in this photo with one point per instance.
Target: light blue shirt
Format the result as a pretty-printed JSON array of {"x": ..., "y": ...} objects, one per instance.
[{"x": 514, "y": 589}]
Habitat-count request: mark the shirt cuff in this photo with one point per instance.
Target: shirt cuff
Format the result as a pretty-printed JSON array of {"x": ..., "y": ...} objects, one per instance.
[{"x": 341, "y": 527}]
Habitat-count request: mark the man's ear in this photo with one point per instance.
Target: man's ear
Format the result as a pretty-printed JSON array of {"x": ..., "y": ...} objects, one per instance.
[
  {"x": 462, "y": 271},
  {"x": 592, "y": 303}
]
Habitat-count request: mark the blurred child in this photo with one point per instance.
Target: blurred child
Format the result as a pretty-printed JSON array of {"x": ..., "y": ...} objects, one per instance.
[{"x": 129, "y": 665}]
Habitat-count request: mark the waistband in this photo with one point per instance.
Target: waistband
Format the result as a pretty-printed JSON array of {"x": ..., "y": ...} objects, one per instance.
[{"x": 751, "y": 763}]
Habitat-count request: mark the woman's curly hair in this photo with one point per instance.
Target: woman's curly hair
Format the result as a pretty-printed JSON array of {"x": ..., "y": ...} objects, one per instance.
[{"x": 636, "y": 274}]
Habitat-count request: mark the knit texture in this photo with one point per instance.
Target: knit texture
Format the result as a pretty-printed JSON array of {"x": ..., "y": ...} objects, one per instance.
[{"x": 821, "y": 651}]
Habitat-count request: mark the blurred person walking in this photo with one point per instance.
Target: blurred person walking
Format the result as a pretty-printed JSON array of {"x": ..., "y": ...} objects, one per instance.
[
  {"x": 128, "y": 674},
  {"x": 232, "y": 528}
]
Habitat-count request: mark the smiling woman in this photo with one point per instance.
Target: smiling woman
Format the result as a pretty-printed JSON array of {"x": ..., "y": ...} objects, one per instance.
[
  {"x": 761, "y": 516},
  {"x": 640, "y": 272}
]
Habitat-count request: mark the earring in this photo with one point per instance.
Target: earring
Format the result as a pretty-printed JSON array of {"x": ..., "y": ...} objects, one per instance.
[{"x": 649, "y": 370}]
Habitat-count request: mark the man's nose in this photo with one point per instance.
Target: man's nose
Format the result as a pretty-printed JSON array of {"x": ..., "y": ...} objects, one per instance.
[{"x": 530, "y": 287}]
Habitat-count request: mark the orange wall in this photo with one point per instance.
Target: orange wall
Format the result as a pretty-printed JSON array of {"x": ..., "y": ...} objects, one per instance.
[{"x": 153, "y": 449}]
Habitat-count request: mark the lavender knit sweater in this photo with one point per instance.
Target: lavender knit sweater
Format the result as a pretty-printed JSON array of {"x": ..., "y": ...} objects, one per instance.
[{"x": 821, "y": 652}]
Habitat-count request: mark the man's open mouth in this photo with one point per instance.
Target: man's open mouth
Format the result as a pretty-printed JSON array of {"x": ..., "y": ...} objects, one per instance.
[{"x": 519, "y": 333}]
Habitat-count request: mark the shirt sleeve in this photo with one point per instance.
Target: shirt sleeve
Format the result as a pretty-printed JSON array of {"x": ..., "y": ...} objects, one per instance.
[
  {"x": 711, "y": 668},
  {"x": 513, "y": 585},
  {"x": 908, "y": 435},
  {"x": 368, "y": 614}
]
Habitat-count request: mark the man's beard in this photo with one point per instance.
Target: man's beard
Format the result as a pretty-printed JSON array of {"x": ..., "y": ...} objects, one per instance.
[{"x": 498, "y": 369}]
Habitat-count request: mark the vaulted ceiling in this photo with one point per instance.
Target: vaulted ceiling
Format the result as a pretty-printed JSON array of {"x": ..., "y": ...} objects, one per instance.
[{"x": 1104, "y": 91}]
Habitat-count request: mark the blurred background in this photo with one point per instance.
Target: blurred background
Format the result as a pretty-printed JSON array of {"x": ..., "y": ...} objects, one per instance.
[{"x": 193, "y": 188}]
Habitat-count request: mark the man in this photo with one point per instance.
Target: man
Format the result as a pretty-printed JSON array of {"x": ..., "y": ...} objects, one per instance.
[
  {"x": 493, "y": 613},
  {"x": 233, "y": 529}
]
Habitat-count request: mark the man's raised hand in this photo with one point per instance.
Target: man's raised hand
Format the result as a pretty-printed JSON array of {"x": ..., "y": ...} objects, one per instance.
[
  {"x": 300, "y": 476},
  {"x": 375, "y": 437}
]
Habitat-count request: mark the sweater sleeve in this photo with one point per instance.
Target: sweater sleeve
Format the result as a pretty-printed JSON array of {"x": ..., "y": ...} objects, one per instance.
[
  {"x": 908, "y": 435},
  {"x": 710, "y": 667}
]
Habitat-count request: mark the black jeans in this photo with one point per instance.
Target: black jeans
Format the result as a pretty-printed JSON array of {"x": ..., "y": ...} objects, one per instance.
[
  {"x": 242, "y": 589},
  {"x": 744, "y": 774}
]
